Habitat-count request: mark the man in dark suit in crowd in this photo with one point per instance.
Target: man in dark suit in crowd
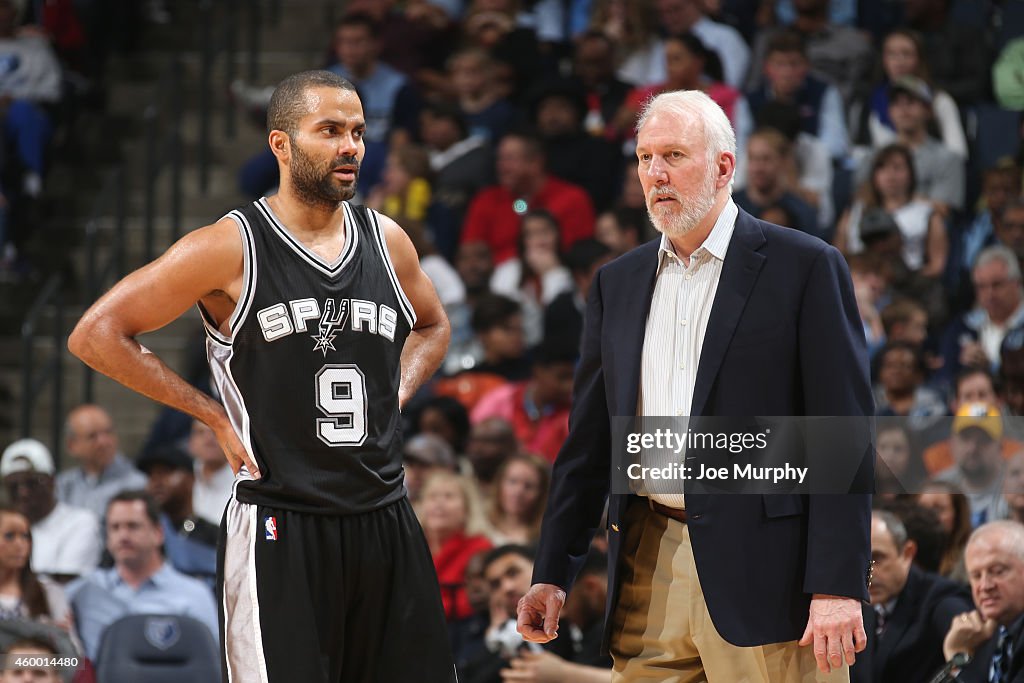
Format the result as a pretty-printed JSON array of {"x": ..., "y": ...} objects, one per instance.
[
  {"x": 912, "y": 609},
  {"x": 726, "y": 315},
  {"x": 992, "y": 635}
]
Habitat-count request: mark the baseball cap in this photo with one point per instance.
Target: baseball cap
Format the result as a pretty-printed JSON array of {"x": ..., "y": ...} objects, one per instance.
[
  {"x": 172, "y": 456},
  {"x": 980, "y": 415},
  {"x": 26, "y": 455},
  {"x": 913, "y": 86},
  {"x": 430, "y": 450}
]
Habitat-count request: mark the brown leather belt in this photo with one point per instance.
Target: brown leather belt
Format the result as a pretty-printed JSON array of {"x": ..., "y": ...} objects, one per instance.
[{"x": 670, "y": 512}]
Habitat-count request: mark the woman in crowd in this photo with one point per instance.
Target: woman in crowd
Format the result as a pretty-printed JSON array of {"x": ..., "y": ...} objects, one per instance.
[
  {"x": 902, "y": 56},
  {"x": 950, "y": 505},
  {"x": 521, "y": 491},
  {"x": 23, "y": 595},
  {"x": 891, "y": 186},
  {"x": 899, "y": 469},
  {"x": 449, "y": 513},
  {"x": 536, "y": 276}
]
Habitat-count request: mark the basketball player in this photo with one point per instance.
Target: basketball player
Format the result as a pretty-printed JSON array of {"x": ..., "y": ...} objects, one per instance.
[{"x": 320, "y": 325}]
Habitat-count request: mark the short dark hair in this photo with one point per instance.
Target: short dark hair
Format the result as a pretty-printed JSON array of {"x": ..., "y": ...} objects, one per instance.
[
  {"x": 531, "y": 140},
  {"x": 584, "y": 253},
  {"x": 967, "y": 373},
  {"x": 152, "y": 509},
  {"x": 900, "y": 311},
  {"x": 440, "y": 109},
  {"x": 288, "y": 103},
  {"x": 492, "y": 310},
  {"x": 554, "y": 352},
  {"x": 359, "y": 19},
  {"x": 787, "y": 41},
  {"x": 35, "y": 642},
  {"x": 495, "y": 554}
]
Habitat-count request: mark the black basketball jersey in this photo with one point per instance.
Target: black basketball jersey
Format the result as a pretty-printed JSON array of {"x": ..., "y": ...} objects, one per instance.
[{"x": 309, "y": 376}]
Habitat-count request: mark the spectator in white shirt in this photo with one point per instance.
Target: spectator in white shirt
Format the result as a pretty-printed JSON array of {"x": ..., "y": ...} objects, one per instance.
[{"x": 66, "y": 540}]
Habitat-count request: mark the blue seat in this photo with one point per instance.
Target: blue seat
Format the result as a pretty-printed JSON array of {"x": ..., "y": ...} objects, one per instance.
[{"x": 161, "y": 648}]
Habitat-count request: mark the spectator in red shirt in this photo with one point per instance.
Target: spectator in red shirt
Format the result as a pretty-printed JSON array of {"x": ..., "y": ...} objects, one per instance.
[
  {"x": 524, "y": 184},
  {"x": 450, "y": 515},
  {"x": 538, "y": 408}
]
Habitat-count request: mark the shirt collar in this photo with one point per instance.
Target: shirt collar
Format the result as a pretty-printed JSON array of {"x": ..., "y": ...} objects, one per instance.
[{"x": 717, "y": 241}]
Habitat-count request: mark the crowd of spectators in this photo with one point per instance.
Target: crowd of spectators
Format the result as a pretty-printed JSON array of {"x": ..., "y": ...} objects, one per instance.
[{"x": 500, "y": 136}]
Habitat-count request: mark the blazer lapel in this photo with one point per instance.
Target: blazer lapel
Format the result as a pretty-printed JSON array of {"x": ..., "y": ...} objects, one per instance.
[
  {"x": 631, "y": 309},
  {"x": 739, "y": 273}
]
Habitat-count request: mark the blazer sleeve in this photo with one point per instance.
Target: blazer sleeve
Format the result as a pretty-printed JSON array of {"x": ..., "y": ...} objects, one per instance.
[
  {"x": 835, "y": 383},
  {"x": 580, "y": 478}
]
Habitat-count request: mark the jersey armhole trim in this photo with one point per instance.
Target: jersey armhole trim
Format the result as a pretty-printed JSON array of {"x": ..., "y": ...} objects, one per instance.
[
  {"x": 382, "y": 244},
  {"x": 249, "y": 269}
]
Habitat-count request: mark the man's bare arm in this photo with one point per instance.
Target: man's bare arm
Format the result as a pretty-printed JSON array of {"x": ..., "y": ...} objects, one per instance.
[
  {"x": 427, "y": 344},
  {"x": 203, "y": 264}
]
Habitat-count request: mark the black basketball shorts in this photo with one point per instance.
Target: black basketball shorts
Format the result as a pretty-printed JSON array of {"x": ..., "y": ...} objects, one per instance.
[{"x": 329, "y": 599}]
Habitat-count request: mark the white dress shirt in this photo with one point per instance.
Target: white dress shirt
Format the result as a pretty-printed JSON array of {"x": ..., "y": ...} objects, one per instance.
[{"x": 674, "y": 335}]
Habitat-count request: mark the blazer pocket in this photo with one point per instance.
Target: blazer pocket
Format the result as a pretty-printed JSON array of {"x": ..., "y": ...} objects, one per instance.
[{"x": 783, "y": 504}]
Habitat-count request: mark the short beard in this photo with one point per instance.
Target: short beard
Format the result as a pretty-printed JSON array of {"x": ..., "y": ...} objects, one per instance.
[
  {"x": 316, "y": 186},
  {"x": 690, "y": 213}
]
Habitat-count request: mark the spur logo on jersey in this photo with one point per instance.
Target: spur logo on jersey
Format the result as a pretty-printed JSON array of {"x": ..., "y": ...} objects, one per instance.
[
  {"x": 270, "y": 525},
  {"x": 332, "y": 318}
]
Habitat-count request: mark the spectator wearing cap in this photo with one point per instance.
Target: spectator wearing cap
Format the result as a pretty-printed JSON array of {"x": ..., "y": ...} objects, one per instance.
[
  {"x": 452, "y": 523},
  {"x": 787, "y": 78},
  {"x": 912, "y": 609},
  {"x": 972, "y": 386},
  {"x": 539, "y": 407},
  {"x": 769, "y": 159},
  {"x": 976, "y": 446},
  {"x": 902, "y": 56},
  {"x": 65, "y": 539},
  {"x": 423, "y": 455},
  {"x": 976, "y": 338},
  {"x": 213, "y": 476},
  {"x": 524, "y": 184},
  {"x": 938, "y": 170},
  {"x": 141, "y": 581},
  {"x": 892, "y": 186},
  {"x": 563, "y": 317},
  {"x": 558, "y": 106},
  {"x": 102, "y": 470},
  {"x": 190, "y": 542}
]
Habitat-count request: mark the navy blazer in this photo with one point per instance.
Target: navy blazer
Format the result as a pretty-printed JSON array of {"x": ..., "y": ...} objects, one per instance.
[
  {"x": 784, "y": 338},
  {"x": 977, "y": 670}
]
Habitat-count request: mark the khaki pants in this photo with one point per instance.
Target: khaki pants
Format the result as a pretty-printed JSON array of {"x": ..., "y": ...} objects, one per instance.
[{"x": 661, "y": 629}]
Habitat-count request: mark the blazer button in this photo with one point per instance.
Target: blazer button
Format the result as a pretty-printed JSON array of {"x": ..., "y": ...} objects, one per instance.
[{"x": 615, "y": 527}]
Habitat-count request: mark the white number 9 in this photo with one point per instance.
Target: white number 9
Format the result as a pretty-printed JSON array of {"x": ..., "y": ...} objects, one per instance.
[{"x": 341, "y": 396}]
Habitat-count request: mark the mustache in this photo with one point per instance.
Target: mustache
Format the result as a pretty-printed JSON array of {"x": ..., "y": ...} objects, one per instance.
[
  {"x": 341, "y": 162},
  {"x": 663, "y": 192}
]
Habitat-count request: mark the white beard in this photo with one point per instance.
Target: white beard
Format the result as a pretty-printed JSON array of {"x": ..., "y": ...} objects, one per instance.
[{"x": 678, "y": 222}]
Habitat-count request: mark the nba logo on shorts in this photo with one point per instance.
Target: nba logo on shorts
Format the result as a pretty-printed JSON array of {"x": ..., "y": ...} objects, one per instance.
[{"x": 270, "y": 524}]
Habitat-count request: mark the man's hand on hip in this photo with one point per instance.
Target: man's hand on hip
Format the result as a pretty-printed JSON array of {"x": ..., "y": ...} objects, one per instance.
[
  {"x": 835, "y": 627},
  {"x": 538, "y": 612}
]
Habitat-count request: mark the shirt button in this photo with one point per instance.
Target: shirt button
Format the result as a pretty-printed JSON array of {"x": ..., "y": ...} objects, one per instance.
[
  {"x": 683, "y": 321},
  {"x": 682, "y": 366},
  {"x": 679, "y": 413},
  {"x": 689, "y": 276}
]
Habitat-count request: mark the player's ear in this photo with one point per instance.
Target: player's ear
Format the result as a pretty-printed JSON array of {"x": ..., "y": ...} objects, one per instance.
[{"x": 280, "y": 145}]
